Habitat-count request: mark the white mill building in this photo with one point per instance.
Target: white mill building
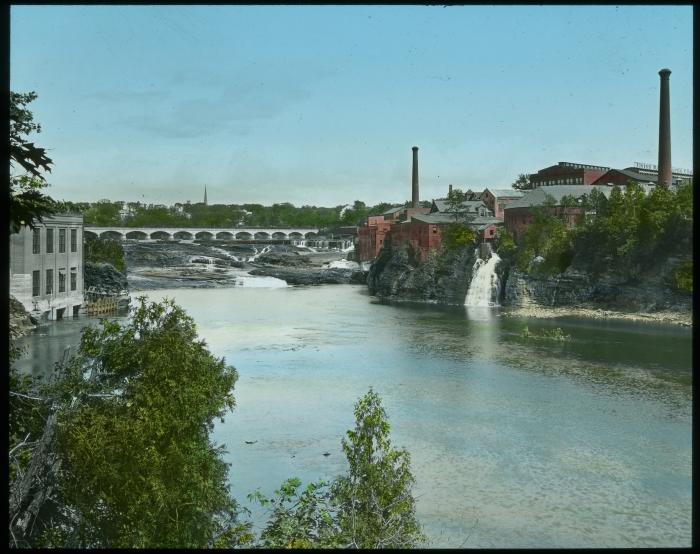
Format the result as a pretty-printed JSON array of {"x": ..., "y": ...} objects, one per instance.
[{"x": 46, "y": 267}]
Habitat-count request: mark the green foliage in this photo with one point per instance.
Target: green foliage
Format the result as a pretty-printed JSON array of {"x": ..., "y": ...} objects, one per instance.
[
  {"x": 457, "y": 235},
  {"x": 370, "y": 506},
  {"x": 103, "y": 213},
  {"x": 375, "y": 506},
  {"x": 303, "y": 519},
  {"x": 632, "y": 230},
  {"x": 522, "y": 182},
  {"x": 104, "y": 251},
  {"x": 138, "y": 405},
  {"x": 27, "y": 412},
  {"x": 504, "y": 243},
  {"x": 28, "y": 162},
  {"x": 556, "y": 334},
  {"x": 547, "y": 237},
  {"x": 683, "y": 277}
]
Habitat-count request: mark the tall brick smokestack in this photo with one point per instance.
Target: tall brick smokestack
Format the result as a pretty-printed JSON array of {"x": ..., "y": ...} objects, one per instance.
[
  {"x": 664, "y": 166},
  {"x": 414, "y": 180}
]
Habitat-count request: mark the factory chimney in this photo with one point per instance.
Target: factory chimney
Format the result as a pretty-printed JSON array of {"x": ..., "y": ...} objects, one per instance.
[
  {"x": 664, "y": 167},
  {"x": 414, "y": 180}
]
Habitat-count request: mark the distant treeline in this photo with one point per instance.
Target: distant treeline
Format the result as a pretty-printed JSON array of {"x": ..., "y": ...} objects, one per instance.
[{"x": 136, "y": 214}]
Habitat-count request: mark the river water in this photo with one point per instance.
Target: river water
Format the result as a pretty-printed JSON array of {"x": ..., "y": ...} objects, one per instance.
[{"x": 514, "y": 443}]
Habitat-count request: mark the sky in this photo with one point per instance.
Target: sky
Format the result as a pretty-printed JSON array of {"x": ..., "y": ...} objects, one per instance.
[{"x": 320, "y": 105}]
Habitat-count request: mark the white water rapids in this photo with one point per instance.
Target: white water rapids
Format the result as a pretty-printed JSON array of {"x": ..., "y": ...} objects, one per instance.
[{"x": 485, "y": 288}]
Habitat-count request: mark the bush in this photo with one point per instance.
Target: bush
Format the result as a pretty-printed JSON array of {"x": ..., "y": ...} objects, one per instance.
[
  {"x": 683, "y": 277},
  {"x": 456, "y": 235},
  {"x": 105, "y": 251}
]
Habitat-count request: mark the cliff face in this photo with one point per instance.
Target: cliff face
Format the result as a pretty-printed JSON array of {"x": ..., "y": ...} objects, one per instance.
[
  {"x": 647, "y": 292},
  {"x": 443, "y": 278}
]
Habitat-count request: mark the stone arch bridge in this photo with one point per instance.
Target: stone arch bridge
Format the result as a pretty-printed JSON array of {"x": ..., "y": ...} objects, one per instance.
[{"x": 203, "y": 233}]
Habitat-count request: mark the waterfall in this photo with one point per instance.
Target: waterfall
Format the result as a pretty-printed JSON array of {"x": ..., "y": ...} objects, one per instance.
[{"x": 485, "y": 288}]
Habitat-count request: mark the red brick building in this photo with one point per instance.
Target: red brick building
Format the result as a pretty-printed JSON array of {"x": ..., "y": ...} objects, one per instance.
[
  {"x": 640, "y": 176},
  {"x": 425, "y": 232},
  {"x": 496, "y": 199},
  {"x": 519, "y": 214},
  {"x": 567, "y": 173},
  {"x": 370, "y": 237}
]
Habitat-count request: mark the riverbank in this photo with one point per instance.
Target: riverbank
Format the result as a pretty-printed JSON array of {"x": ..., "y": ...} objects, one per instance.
[{"x": 539, "y": 312}]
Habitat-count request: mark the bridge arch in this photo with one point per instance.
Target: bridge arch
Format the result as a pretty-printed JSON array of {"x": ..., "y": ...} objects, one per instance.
[
  {"x": 204, "y": 235},
  {"x": 224, "y": 235},
  {"x": 136, "y": 235},
  {"x": 295, "y": 235},
  {"x": 261, "y": 235},
  {"x": 182, "y": 235},
  {"x": 244, "y": 235},
  {"x": 279, "y": 235},
  {"x": 90, "y": 234},
  {"x": 310, "y": 235},
  {"x": 160, "y": 235},
  {"x": 114, "y": 235}
]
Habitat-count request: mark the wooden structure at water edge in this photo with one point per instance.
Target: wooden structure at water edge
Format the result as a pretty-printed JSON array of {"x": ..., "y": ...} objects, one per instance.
[{"x": 102, "y": 302}]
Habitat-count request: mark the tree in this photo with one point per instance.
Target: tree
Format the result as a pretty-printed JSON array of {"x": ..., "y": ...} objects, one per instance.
[
  {"x": 138, "y": 468},
  {"x": 370, "y": 506},
  {"x": 28, "y": 162},
  {"x": 376, "y": 508},
  {"x": 522, "y": 182},
  {"x": 547, "y": 237}
]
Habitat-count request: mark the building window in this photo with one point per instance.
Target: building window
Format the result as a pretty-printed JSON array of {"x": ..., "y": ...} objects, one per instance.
[
  {"x": 73, "y": 278},
  {"x": 62, "y": 280},
  {"x": 36, "y": 241},
  {"x": 36, "y": 283},
  {"x": 49, "y": 241},
  {"x": 73, "y": 240},
  {"x": 49, "y": 281},
  {"x": 61, "y": 240}
]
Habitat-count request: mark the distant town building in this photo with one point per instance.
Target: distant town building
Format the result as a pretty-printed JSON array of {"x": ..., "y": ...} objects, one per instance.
[
  {"x": 567, "y": 173},
  {"x": 519, "y": 214},
  {"x": 46, "y": 267}
]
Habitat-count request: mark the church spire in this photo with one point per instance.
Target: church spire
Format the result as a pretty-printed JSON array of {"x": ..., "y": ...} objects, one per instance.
[{"x": 205, "y": 195}]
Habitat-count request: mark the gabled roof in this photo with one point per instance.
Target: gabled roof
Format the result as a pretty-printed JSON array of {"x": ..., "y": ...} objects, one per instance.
[
  {"x": 538, "y": 196},
  {"x": 436, "y": 218},
  {"x": 480, "y": 222},
  {"x": 505, "y": 193},
  {"x": 442, "y": 206},
  {"x": 633, "y": 175},
  {"x": 393, "y": 210}
]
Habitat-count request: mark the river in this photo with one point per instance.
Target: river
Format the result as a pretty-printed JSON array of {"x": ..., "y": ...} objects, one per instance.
[{"x": 514, "y": 443}]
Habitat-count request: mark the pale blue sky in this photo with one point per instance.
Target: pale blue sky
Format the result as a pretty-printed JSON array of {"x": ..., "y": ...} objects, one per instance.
[{"x": 322, "y": 104}]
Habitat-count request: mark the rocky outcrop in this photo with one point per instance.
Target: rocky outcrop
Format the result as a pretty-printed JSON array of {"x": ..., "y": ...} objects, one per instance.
[
  {"x": 21, "y": 322},
  {"x": 313, "y": 276},
  {"x": 646, "y": 293},
  {"x": 104, "y": 277},
  {"x": 443, "y": 278}
]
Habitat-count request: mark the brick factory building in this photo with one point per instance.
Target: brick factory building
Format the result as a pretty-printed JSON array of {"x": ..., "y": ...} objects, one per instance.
[
  {"x": 496, "y": 199},
  {"x": 519, "y": 214},
  {"x": 567, "y": 173},
  {"x": 643, "y": 174}
]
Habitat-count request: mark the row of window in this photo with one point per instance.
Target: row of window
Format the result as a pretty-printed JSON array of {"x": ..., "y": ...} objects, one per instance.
[
  {"x": 562, "y": 181},
  {"x": 36, "y": 241},
  {"x": 36, "y": 281}
]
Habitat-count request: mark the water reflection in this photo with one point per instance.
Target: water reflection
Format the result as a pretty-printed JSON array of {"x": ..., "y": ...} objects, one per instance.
[{"x": 514, "y": 442}]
